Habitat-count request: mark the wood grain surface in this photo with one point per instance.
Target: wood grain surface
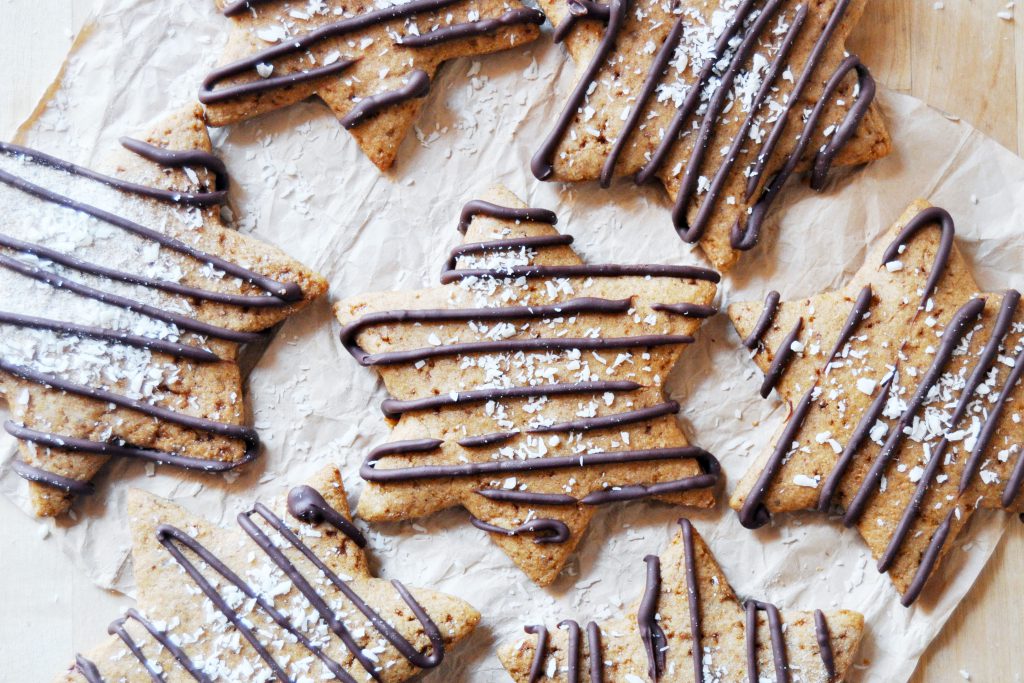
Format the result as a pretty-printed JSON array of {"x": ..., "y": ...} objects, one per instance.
[{"x": 960, "y": 56}]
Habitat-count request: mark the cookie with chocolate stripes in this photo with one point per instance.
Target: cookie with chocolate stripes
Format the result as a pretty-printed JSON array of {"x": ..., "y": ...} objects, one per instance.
[
  {"x": 528, "y": 387},
  {"x": 371, "y": 62},
  {"x": 906, "y": 401},
  {"x": 126, "y": 299},
  {"x": 719, "y": 100},
  {"x": 689, "y": 626},
  {"x": 286, "y": 596}
]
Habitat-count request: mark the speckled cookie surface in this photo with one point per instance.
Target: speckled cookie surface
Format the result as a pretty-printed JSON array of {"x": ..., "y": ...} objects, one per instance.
[
  {"x": 528, "y": 389},
  {"x": 720, "y": 100},
  {"x": 371, "y": 62},
  {"x": 905, "y": 395},
  {"x": 686, "y": 602},
  {"x": 293, "y": 578},
  {"x": 107, "y": 346}
]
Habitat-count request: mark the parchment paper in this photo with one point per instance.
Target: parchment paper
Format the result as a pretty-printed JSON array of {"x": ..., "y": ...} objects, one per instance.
[{"x": 300, "y": 182}]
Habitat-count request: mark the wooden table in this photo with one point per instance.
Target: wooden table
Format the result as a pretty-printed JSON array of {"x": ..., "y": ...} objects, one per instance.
[{"x": 964, "y": 59}]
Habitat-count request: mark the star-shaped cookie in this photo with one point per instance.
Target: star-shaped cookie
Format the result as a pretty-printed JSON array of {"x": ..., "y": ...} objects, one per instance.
[
  {"x": 687, "y": 601},
  {"x": 371, "y": 62},
  {"x": 905, "y": 395},
  {"x": 287, "y": 596},
  {"x": 125, "y": 301},
  {"x": 720, "y": 100},
  {"x": 528, "y": 387}
]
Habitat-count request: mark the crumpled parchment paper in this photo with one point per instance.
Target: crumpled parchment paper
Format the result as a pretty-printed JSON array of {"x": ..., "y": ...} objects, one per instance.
[{"x": 301, "y": 183}]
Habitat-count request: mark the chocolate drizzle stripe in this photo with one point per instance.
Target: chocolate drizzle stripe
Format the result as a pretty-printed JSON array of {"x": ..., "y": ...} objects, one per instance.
[
  {"x": 416, "y": 86},
  {"x": 654, "y": 74},
  {"x": 986, "y": 360},
  {"x": 651, "y": 633},
  {"x": 72, "y": 329},
  {"x": 687, "y": 310},
  {"x": 580, "y": 9},
  {"x": 584, "y": 271},
  {"x": 693, "y": 599},
  {"x": 846, "y": 129},
  {"x": 746, "y": 237},
  {"x": 778, "y": 636},
  {"x": 926, "y": 218},
  {"x": 209, "y": 95},
  {"x": 51, "y": 479},
  {"x": 541, "y": 163},
  {"x": 88, "y": 670},
  {"x": 393, "y": 408},
  {"x": 783, "y": 356},
  {"x": 596, "y": 660},
  {"x": 528, "y": 242},
  {"x": 608, "y": 421},
  {"x": 796, "y": 95},
  {"x": 546, "y": 530},
  {"x": 693, "y": 95},
  {"x": 306, "y": 504},
  {"x": 117, "y": 628},
  {"x": 479, "y": 207},
  {"x": 771, "y": 307},
  {"x": 527, "y": 497},
  {"x": 953, "y": 333},
  {"x": 928, "y": 561},
  {"x": 516, "y": 17},
  {"x": 860, "y": 308},
  {"x": 824, "y": 638},
  {"x": 164, "y": 157},
  {"x": 1013, "y": 484},
  {"x": 832, "y": 482},
  {"x": 285, "y": 292},
  {"x": 707, "y": 207},
  {"x": 540, "y": 652},
  {"x": 753, "y": 514},
  {"x": 711, "y": 471},
  {"x": 484, "y": 440},
  {"x": 715, "y": 106},
  {"x": 573, "y": 654}
]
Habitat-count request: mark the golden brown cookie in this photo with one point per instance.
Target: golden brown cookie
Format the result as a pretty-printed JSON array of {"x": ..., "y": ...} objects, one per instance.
[
  {"x": 905, "y": 397},
  {"x": 287, "y": 597},
  {"x": 528, "y": 387},
  {"x": 686, "y": 601},
  {"x": 371, "y": 62},
  {"x": 720, "y": 100},
  {"x": 125, "y": 301}
]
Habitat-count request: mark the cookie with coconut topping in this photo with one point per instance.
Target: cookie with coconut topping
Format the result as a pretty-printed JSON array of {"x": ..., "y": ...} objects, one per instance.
[
  {"x": 528, "y": 388},
  {"x": 371, "y": 62},
  {"x": 721, "y": 101},
  {"x": 286, "y": 596},
  {"x": 689, "y": 626},
  {"x": 905, "y": 395},
  {"x": 126, "y": 301}
]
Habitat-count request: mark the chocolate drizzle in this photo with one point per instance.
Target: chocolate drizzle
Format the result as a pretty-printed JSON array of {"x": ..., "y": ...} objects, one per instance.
[
  {"x": 824, "y": 639},
  {"x": 274, "y": 294},
  {"x": 515, "y": 17},
  {"x": 546, "y": 530},
  {"x": 651, "y": 633},
  {"x": 573, "y": 655},
  {"x": 783, "y": 355},
  {"x": 307, "y": 505},
  {"x": 540, "y": 652},
  {"x": 479, "y": 207},
  {"x": 779, "y": 657},
  {"x": 926, "y": 218},
  {"x": 177, "y": 542},
  {"x": 693, "y": 599},
  {"x": 416, "y": 86},
  {"x": 771, "y": 307}
]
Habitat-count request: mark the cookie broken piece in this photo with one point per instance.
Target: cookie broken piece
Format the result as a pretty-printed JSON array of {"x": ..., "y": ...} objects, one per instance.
[
  {"x": 288, "y": 596},
  {"x": 528, "y": 387},
  {"x": 125, "y": 301},
  {"x": 371, "y": 63},
  {"x": 721, "y": 101},
  {"x": 687, "y": 601},
  {"x": 905, "y": 395}
]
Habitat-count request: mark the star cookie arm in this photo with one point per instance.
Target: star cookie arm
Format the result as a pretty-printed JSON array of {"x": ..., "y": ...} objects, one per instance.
[
  {"x": 130, "y": 277},
  {"x": 223, "y": 602},
  {"x": 686, "y": 593}
]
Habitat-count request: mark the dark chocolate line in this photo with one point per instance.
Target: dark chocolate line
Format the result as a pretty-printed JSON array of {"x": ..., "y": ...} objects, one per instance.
[
  {"x": 687, "y": 310},
  {"x": 860, "y": 308},
  {"x": 573, "y": 653},
  {"x": 88, "y": 670},
  {"x": 522, "y": 16},
  {"x": 540, "y": 652},
  {"x": 651, "y": 633},
  {"x": 711, "y": 471},
  {"x": 479, "y": 207},
  {"x": 117, "y": 628},
  {"x": 824, "y": 638},
  {"x": 783, "y": 355},
  {"x": 393, "y": 408},
  {"x": 505, "y": 244},
  {"x": 926, "y": 218},
  {"x": 547, "y": 530},
  {"x": 416, "y": 86},
  {"x": 306, "y": 504},
  {"x": 595, "y": 270},
  {"x": 209, "y": 95},
  {"x": 117, "y": 336},
  {"x": 771, "y": 307},
  {"x": 693, "y": 599},
  {"x": 953, "y": 333},
  {"x": 51, "y": 479},
  {"x": 527, "y": 497},
  {"x": 596, "y": 660},
  {"x": 1013, "y": 484},
  {"x": 780, "y": 660},
  {"x": 579, "y": 9},
  {"x": 608, "y": 421},
  {"x": 845, "y": 131},
  {"x": 541, "y": 163},
  {"x": 928, "y": 561},
  {"x": 484, "y": 440}
]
